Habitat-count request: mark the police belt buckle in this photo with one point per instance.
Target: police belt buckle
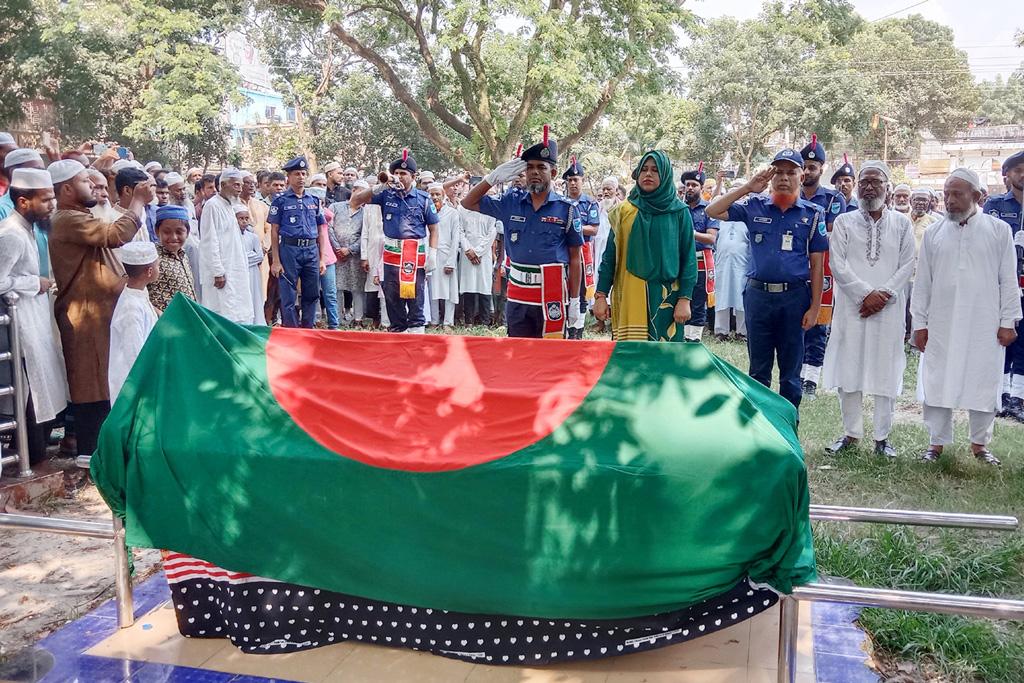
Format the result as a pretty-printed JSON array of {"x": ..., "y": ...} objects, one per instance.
[
  {"x": 299, "y": 242},
  {"x": 770, "y": 287}
]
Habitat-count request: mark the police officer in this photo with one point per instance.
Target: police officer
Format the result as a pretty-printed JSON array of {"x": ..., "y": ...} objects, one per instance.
[
  {"x": 410, "y": 243},
  {"x": 295, "y": 219},
  {"x": 833, "y": 202},
  {"x": 843, "y": 180},
  {"x": 1008, "y": 208},
  {"x": 590, "y": 218},
  {"x": 705, "y": 231},
  {"x": 788, "y": 240},
  {"x": 543, "y": 238}
]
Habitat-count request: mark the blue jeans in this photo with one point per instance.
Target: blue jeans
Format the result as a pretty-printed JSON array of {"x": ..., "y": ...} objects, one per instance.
[
  {"x": 404, "y": 313},
  {"x": 329, "y": 296},
  {"x": 699, "y": 301},
  {"x": 301, "y": 264},
  {"x": 774, "y": 331},
  {"x": 815, "y": 341}
]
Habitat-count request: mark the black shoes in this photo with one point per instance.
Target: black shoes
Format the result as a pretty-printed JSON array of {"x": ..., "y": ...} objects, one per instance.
[
  {"x": 884, "y": 448},
  {"x": 810, "y": 389},
  {"x": 841, "y": 444}
]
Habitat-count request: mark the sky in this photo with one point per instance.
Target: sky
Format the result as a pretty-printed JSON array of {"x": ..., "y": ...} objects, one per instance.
[{"x": 984, "y": 29}]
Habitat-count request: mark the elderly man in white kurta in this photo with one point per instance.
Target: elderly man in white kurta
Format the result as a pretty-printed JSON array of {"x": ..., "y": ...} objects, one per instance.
[
  {"x": 965, "y": 304},
  {"x": 444, "y": 281},
  {"x": 871, "y": 252},
  {"x": 476, "y": 266},
  {"x": 32, "y": 195},
  {"x": 223, "y": 268}
]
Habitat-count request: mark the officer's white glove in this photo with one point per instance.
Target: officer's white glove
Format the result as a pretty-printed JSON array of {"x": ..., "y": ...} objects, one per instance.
[
  {"x": 572, "y": 316},
  {"x": 431, "y": 259},
  {"x": 506, "y": 173},
  {"x": 1018, "y": 238}
]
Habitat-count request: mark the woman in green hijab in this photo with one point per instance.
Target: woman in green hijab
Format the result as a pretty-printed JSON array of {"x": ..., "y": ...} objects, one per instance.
[{"x": 650, "y": 264}]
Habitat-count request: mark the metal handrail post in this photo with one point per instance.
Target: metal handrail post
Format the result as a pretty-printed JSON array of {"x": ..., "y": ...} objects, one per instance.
[
  {"x": 20, "y": 390},
  {"x": 122, "y": 578},
  {"x": 55, "y": 525},
  {"x": 842, "y": 513},
  {"x": 789, "y": 632}
]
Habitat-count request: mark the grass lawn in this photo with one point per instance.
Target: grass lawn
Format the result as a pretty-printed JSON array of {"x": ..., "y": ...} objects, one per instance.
[{"x": 961, "y": 561}]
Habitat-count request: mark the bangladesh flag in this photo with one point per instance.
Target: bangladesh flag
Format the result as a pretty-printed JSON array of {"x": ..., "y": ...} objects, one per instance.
[{"x": 484, "y": 475}]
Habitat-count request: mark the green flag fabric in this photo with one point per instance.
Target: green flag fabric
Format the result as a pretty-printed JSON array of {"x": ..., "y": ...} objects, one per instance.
[{"x": 508, "y": 476}]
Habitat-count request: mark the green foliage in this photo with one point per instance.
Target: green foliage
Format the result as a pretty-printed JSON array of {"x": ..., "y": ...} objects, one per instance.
[{"x": 1003, "y": 102}]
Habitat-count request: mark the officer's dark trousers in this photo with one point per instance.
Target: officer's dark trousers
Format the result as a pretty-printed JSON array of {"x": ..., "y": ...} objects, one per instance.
[
  {"x": 476, "y": 308},
  {"x": 1014, "y": 363},
  {"x": 773, "y": 331},
  {"x": 524, "y": 320},
  {"x": 699, "y": 301},
  {"x": 301, "y": 264},
  {"x": 815, "y": 341},
  {"x": 404, "y": 313}
]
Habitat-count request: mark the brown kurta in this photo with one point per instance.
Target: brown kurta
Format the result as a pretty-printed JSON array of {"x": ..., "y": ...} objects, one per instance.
[{"x": 89, "y": 278}]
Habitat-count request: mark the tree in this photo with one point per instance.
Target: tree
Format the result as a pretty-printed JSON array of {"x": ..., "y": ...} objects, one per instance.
[
  {"x": 492, "y": 74},
  {"x": 1003, "y": 101}
]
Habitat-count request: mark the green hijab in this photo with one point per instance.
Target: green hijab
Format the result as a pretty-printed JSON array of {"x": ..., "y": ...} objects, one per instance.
[{"x": 653, "y": 252}]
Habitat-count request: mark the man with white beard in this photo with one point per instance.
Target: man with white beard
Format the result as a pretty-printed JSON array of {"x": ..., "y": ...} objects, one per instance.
[
  {"x": 223, "y": 267},
  {"x": 901, "y": 198},
  {"x": 871, "y": 251},
  {"x": 965, "y": 306}
]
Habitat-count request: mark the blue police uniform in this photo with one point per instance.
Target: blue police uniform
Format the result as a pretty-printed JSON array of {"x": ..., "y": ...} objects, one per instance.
[
  {"x": 533, "y": 238},
  {"x": 590, "y": 215},
  {"x": 846, "y": 170},
  {"x": 406, "y": 217},
  {"x": 777, "y": 293},
  {"x": 699, "y": 301},
  {"x": 1007, "y": 208},
  {"x": 298, "y": 219}
]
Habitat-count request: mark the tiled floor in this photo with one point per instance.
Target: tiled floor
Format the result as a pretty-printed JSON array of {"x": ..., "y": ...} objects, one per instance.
[{"x": 92, "y": 649}]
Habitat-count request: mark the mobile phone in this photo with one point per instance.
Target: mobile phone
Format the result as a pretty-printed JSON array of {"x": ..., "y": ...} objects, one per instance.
[
  {"x": 475, "y": 179},
  {"x": 122, "y": 152},
  {"x": 731, "y": 173},
  {"x": 99, "y": 149}
]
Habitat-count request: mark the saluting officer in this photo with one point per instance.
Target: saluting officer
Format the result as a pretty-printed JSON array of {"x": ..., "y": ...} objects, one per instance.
[
  {"x": 705, "y": 234},
  {"x": 1007, "y": 207},
  {"x": 410, "y": 242},
  {"x": 543, "y": 238},
  {"x": 295, "y": 219},
  {"x": 843, "y": 180},
  {"x": 833, "y": 203},
  {"x": 590, "y": 217},
  {"x": 788, "y": 239}
]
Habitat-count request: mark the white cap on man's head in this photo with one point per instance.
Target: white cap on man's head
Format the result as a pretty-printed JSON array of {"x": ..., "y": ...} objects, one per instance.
[
  {"x": 970, "y": 176},
  {"x": 7, "y": 139},
  {"x": 173, "y": 179},
  {"x": 120, "y": 165},
  {"x": 332, "y": 166},
  {"x": 351, "y": 169},
  {"x": 875, "y": 165},
  {"x": 20, "y": 156},
  {"x": 30, "y": 179},
  {"x": 64, "y": 170},
  {"x": 317, "y": 176},
  {"x": 153, "y": 167},
  {"x": 230, "y": 174},
  {"x": 240, "y": 208},
  {"x": 138, "y": 253},
  {"x": 610, "y": 181}
]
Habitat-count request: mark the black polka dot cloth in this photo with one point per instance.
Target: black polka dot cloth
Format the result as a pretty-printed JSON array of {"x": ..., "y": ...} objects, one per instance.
[{"x": 260, "y": 616}]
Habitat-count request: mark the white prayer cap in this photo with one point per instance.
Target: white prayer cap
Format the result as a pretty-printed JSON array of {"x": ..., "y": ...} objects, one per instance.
[
  {"x": 316, "y": 177},
  {"x": 970, "y": 176},
  {"x": 192, "y": 171},
  {"x": 119, "y": 165},
  {"x": 248, "y": 174},
  {"x": 240, "y": 208},
  {"x": 63, "y": 170},
  {"x": 138, "y": 253},
  {"x": 351, "y": 169},
  {"x": 360, "y": 185},
  {"x": 20, "y": 156},
  {"x": 230, "y": 174},
  {"x": 921, "y": 192},
  {"x": 332, "y": 166},
  {"x": 96, "y": 176},
  {"x": 435, "y": 186},
  {"x": 153, "y": 167},
  {"x": 876, "y": 165},
  {"x": 902, "y": 186},
  {"x": 30, "y": 179},
  {"x": 173, "y": 179},
  {"x": 426, "y": 175},
  {"x": 610, "y": 181},
  {"x": 7, "y": 139}
]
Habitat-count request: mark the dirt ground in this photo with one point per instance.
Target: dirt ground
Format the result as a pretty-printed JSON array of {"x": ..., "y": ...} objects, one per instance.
[{"x": 47, "y": 580}]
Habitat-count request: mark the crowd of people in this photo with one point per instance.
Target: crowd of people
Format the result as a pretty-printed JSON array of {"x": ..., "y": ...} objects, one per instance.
[{"x": 826, "y": 284}]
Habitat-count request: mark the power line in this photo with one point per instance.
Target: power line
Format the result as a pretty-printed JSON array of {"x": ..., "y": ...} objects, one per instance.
[{"x": 899, "y": 11}]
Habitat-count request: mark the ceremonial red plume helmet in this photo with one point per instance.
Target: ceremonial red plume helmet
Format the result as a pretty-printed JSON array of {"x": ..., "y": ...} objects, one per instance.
[
  {"x": 700, "y": 169},
  {"x": 547, "y": 131},
  {"x": 405, "y": 154}
]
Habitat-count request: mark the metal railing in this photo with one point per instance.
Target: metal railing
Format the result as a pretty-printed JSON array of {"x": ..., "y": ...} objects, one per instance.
[
  {"x": 73, "y": 527},
  {"x": 939, "y": 603},
  {"x": 17, "y": 389}
]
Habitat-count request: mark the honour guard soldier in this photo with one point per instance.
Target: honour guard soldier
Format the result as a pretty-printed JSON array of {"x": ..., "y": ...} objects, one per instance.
[
  {"x": 833, "y": 203},
  {"x": 590, "y": 217},
  {"x": 843, "y": 180},
  {"x": 543, "y": 238},
  {"x": 705, "y": 233},
  {"x": 788, "y": 240},
  {"x": 295, "y": 219},
  {"x": 410, "y": 243},
  {"x": 1007, "y": 207}
]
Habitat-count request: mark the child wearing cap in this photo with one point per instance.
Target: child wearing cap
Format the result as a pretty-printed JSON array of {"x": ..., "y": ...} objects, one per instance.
[
  {"x": 172, "y": 229},
  {"x": 134, "y": 316}
]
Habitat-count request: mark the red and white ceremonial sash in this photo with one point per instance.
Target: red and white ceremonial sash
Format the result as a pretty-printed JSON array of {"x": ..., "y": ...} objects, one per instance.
[
  {"x": 589, "y": 276},
  {"x": 825, "y": 312},
  {"x": 541, "y": 286},
  {"x": 407, "y": 255},
  {"x": 706, "y": 264}
]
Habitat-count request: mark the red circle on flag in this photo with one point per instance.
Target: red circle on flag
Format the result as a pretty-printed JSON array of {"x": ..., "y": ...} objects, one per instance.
[{"x": 428, "y": 403}]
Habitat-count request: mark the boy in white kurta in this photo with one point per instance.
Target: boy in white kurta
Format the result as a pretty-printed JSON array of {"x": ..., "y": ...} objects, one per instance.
[
  {"x": 965, "y": 305},
  {"x": 252, "y": 247},
  {"x": 871, "y": 252},
  {"x": 444, "y": 282},
  {"x": 134, "y": 316}
]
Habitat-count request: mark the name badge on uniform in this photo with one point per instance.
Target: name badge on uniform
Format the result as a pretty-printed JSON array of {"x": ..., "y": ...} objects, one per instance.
[
  {"x": 391, "y": 204},
  {"x": 517, "y": 219},
  {"x": 787, "y": 242},
  {"x": 762, "y": 219}
]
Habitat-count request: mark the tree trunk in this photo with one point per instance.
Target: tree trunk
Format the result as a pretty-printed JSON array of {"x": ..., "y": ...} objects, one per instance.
[{"x": 300, "y": 127}]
